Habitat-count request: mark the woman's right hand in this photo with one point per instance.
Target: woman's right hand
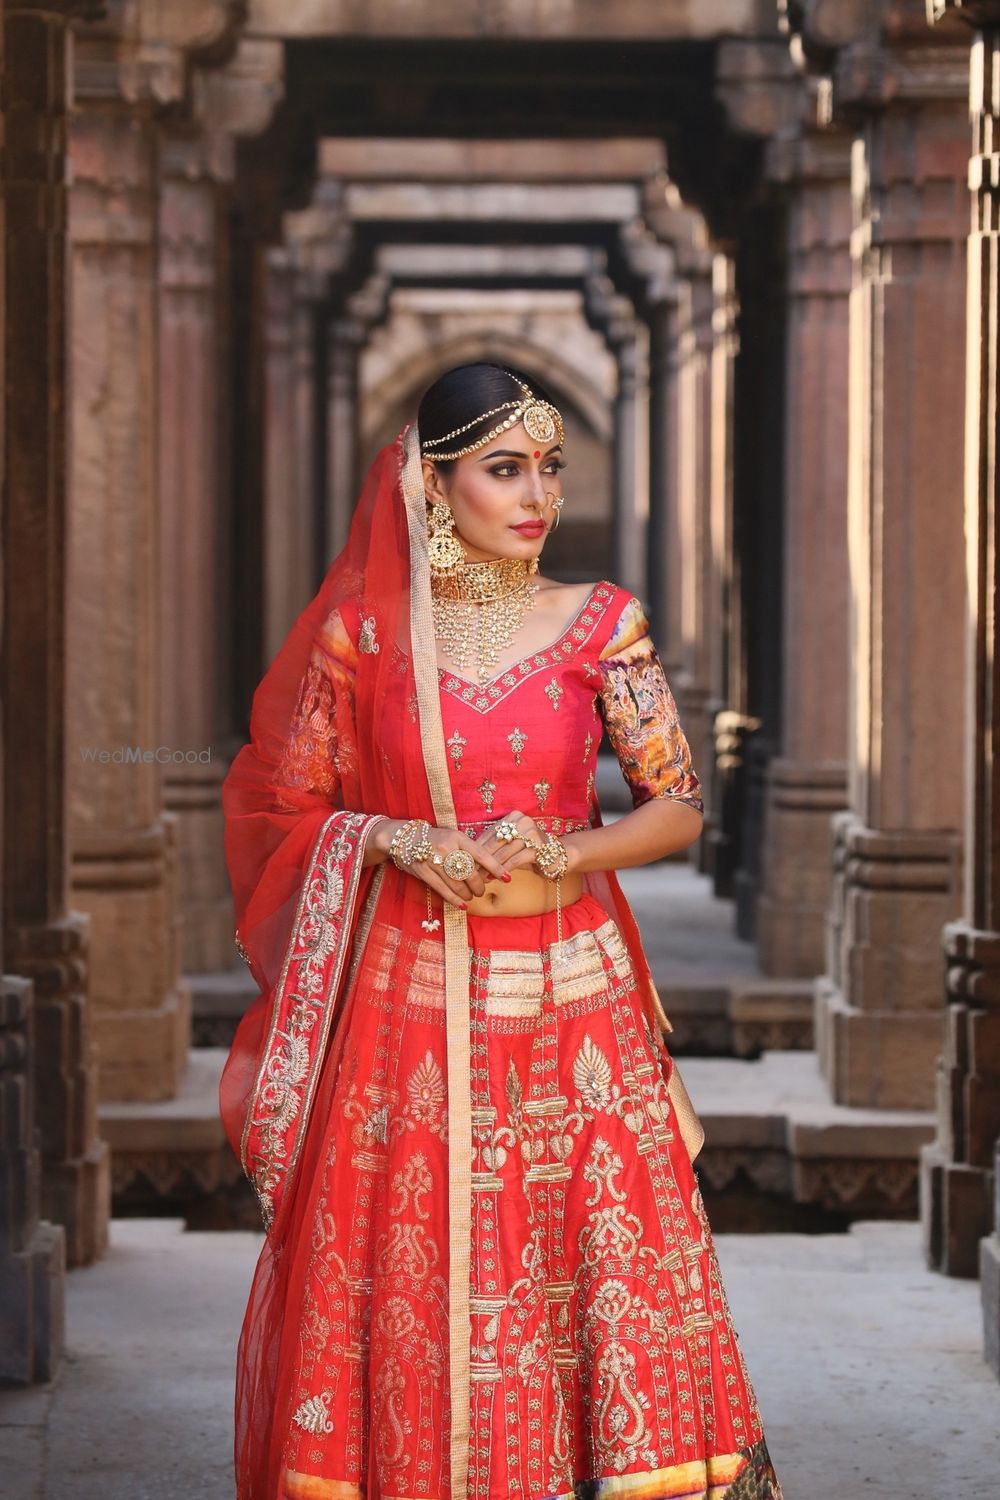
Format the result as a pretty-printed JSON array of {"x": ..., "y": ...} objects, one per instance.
[{"x": 444, "y": 840}]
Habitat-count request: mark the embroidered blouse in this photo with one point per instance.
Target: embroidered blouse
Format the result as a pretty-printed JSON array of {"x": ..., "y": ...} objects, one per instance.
[{"x": 528, "y": 738}]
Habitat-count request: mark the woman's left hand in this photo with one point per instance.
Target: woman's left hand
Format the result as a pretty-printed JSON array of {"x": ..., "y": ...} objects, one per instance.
[{"x": 516, "y": 854}]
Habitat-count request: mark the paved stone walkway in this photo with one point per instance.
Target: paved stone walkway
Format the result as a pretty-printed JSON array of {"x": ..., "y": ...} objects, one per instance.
[{"x": 867, "y": 1367}]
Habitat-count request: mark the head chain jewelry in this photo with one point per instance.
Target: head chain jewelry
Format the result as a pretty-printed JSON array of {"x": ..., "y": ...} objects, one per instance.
[{"x": 542, "y": 422}]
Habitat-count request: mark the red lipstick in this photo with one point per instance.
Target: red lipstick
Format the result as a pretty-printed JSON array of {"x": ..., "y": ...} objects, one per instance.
[{"x": 530, "y": 528}]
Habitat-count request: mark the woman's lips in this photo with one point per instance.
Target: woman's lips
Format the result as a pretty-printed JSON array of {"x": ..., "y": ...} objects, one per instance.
[{"x": 530, "y": 528}]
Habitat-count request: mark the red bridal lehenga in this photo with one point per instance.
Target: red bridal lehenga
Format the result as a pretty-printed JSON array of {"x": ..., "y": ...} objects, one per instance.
[{"x": 488, "y": 1270}]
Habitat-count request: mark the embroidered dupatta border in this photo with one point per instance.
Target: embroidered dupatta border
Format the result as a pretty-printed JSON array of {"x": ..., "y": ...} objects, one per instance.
[
  {"x": 281, "y": 1098},
  {"x": 456, "y": 962}
]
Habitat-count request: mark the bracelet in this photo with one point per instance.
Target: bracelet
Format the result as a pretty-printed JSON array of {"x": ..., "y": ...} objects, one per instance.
[
  {"x": 552, "y": 858},
  {"x": 410, "y": 842}
]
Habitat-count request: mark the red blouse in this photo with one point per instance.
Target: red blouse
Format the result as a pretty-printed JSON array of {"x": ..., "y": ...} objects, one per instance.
[{"x": 528, "y": 738}]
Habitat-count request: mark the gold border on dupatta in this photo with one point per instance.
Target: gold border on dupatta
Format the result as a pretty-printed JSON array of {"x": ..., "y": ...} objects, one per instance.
[{"x": 456, "y": 962}]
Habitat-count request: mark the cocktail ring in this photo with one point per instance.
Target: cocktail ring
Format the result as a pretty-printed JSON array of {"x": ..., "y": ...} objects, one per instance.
[
  {"x": 506, "y": 831},
  {"x": 459, "y": 864}
]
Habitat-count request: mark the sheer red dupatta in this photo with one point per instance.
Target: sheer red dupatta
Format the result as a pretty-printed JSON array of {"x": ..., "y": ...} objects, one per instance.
[{"x": 300, "y": 801}]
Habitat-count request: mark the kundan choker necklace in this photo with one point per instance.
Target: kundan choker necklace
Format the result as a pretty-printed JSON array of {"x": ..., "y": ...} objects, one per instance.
[{"x": 479, "y": 609}]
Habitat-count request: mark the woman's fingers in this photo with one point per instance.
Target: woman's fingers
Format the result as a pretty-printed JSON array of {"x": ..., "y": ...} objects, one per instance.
[
  {"x": 484, "y": 857},
  {"x": 448, "y": 892}
]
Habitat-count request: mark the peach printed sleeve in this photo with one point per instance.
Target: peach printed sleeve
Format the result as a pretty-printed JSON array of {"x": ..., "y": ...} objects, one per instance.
[{"x": 641, "y": 717}]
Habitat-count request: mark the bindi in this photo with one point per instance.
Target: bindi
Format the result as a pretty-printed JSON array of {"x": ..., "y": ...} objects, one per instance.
[{"x": 537, "y": 453}]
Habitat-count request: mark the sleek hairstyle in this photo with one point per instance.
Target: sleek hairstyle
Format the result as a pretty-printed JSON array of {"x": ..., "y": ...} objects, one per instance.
[{"x": 464, "y": 393}]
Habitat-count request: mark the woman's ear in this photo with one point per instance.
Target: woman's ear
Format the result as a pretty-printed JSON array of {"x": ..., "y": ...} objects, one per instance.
[{"x": 433, "y": 488}]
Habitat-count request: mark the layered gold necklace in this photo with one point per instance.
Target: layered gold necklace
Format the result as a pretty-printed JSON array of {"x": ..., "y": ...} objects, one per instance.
[{"x": 479, "y": 609}]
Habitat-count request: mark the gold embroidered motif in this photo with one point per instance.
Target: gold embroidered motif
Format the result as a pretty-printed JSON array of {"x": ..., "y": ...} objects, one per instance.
[
  {"x": 517, "y": 741},
  {"x": 487, "y": 791},
  {"x": 554, "y": 691},
  {"x": 588, "y": 742},
  {"x": 427, "y": 1093},
  {"x": 314, "y": 1414},
  {"x": 541, "y": 790},
  {"x": 366, "y": 639},
  {"x": 592, "y": 1074},
  {"x": 456, "y": 747}
]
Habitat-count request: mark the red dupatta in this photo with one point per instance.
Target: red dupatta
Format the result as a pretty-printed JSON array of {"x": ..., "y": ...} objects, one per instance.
[{"x": 305, "y": 905}]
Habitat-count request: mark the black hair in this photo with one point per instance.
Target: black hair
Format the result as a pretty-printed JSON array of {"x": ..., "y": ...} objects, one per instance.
[{"x": 462, "y": 394}]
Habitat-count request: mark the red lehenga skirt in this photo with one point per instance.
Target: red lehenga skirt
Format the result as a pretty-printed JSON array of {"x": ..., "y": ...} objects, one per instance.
[{"x": 604, "y": 1359}]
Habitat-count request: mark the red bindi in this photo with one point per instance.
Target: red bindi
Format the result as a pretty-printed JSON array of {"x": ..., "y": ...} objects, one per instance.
[{"x": 537, "y": 453}]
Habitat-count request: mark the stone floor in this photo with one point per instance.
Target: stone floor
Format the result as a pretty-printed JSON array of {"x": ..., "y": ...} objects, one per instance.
[{"x": 867, "y": 1366}]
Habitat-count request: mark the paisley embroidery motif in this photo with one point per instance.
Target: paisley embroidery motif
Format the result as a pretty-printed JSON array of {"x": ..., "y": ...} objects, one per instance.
[
  {"x": 366, "y": 637},
  {"x": 314, "y": 1414}
]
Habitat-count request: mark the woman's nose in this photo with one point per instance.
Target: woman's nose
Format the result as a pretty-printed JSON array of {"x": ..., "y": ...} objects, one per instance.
[{"x": 536, "y": 488}]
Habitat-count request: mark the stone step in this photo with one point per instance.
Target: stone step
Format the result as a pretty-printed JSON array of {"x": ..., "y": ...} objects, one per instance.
[
  {"x": 172, "y": 1155},
  {"x": 778, "y": 1150}
]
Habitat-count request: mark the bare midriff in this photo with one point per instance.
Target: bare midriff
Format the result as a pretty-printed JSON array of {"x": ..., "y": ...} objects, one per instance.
[{"x": 527, "y": 894}]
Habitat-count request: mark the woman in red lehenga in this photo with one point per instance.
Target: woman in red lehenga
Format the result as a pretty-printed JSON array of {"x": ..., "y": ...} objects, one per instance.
[{"x": 487, "y": 1269}]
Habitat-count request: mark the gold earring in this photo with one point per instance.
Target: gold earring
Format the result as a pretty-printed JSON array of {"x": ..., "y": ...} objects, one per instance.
[{"x": 444, "y": 551}]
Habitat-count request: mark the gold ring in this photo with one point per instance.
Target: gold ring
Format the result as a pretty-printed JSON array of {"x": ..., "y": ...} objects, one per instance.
[{"x": 506, "y": 831}]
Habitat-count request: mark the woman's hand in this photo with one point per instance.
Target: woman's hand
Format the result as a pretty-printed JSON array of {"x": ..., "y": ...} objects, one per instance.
[
  {"x": 443, "y": 841},
  {"x": 517, "y": 854}
]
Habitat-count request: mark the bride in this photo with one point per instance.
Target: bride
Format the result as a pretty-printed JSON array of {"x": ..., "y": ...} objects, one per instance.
[{"x": 487, "y": 1269}]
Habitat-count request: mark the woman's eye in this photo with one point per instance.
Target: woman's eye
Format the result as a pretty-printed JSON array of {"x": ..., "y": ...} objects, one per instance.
[{"x": 504, "y": 469}]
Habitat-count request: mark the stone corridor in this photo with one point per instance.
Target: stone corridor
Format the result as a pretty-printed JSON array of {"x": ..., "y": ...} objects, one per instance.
[{"x": 868, "y": 1368}]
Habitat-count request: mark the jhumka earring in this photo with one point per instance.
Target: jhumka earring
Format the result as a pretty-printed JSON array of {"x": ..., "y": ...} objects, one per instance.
[{"x": 445, "y": 556}]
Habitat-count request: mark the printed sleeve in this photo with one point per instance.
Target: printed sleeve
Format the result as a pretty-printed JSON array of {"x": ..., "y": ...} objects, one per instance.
[
  {"x": 320, "y": 744},
  {"x": 640, "y": 715}
]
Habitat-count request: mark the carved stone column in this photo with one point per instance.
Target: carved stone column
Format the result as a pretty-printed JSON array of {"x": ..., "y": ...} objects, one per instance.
[
  {"x": 718, "y": 849},
  {"x": 345, "y": 338},
  {"x": 958, "y": 1187},
  {"x": 43, "y": 938},
  {"x": 681, "y": 443},
  {"x": 878, "y": 1012},
  {"x": 189, "y": 432},
  {"x": 807, "y": 781},
  {"x": 124, "y": 848},
  {"x": 196, "y": 166},
  {"x": 614, "y": 317},
  {"x": 32, "y": 73}
]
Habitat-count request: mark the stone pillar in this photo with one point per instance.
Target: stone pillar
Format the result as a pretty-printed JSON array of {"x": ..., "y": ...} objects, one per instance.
[
  {"x": 807, "y": 781},
  {"x": 124, "y": 844},
  {"x": 719, "y": 854},
  {"x": 692, "y": 475},
  {"x": 628, "y": 516},
  {"x": 32, "y": 1251},
  {"x": 878, "y": 1010},
  {"x": 680, "y": 456},
  {"x": 345, "y": 336},
  {"x": 191, "y": 379},
  {"x": 43, "y": 939},
  {"x": 292, "y": 524},
  {"x": 958, "y": 1188}
]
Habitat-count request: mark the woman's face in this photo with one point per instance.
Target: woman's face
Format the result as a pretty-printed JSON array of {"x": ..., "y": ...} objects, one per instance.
[{"x": 510, "y": 483}]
